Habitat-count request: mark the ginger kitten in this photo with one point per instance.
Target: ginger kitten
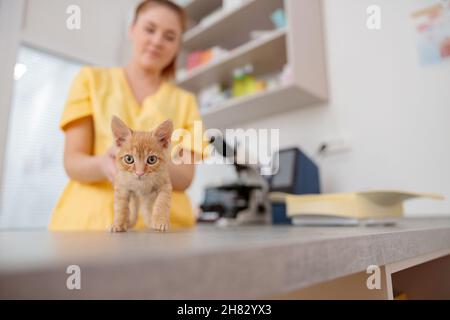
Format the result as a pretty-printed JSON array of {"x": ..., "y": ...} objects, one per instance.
[{"x": 142, "y": 179}]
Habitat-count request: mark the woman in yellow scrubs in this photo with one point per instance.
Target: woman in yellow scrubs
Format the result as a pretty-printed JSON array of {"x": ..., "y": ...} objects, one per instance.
[{"x": 142, "y": 95}]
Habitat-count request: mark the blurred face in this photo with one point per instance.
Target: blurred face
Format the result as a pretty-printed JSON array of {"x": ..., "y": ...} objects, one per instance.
[{"x": 156, "y": 37}]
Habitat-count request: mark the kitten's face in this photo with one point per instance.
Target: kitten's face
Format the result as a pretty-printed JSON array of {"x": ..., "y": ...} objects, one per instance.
[{"x": 141, "y": 153}]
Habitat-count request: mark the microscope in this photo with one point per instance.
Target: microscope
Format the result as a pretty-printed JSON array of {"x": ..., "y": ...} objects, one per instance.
[{"x": 244, "y": 201}]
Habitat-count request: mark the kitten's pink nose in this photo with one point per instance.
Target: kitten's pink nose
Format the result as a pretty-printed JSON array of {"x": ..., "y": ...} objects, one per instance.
[{"x": 139, "y": 174}]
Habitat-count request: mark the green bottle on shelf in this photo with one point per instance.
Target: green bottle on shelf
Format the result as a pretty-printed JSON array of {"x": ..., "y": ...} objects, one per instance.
[
  {"x": 238, "y": 88},
  {"x": 249, "y": 80}
]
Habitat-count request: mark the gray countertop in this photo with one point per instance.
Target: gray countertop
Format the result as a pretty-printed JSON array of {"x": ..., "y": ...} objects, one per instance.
[{"x": 206, "y": 262}]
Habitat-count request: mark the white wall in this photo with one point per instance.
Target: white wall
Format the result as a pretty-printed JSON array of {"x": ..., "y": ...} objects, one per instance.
[
  {"x": 394, "y": 112},
  {"x": 100, "y": 39}
]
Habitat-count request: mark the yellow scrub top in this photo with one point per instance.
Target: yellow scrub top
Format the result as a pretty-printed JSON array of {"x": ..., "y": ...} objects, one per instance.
[{"x": 102, "y": 93}]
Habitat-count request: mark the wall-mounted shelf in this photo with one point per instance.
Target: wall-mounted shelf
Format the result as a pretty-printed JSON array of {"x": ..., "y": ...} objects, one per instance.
[
  {"x": 300, "y": 45},
  {"x": 258, "y": 105},
  {"x": 235, "y": 22},
  {"x": 258, "y": 52},
  {"x": 196, "y": 9}
]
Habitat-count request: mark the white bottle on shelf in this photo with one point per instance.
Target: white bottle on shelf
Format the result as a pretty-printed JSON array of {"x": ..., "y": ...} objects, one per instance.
[{"x": 228, "y": 5}]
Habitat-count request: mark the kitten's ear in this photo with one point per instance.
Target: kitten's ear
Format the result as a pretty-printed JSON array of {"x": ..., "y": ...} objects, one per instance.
[
  {"x": 164, "y": 133},
  {"x": 120, "y": 131}
]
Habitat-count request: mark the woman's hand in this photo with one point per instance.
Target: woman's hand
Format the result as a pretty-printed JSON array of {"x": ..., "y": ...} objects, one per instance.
[
  {"x": 79, "y": 163},
  {"x": 108, "y": 164},
  {"x": 181, "y": 174}
]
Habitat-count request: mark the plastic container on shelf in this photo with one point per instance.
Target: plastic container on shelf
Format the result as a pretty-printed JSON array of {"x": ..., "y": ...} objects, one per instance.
[
  {"x": 211, "y": 96},
  {"x": 248, "y": 79},
  {"x": 278, "y": 18},
  {"x": 238, "y": 87},
  {"x": 286, "y": 76},
  {"x": 228, "y": 5}
]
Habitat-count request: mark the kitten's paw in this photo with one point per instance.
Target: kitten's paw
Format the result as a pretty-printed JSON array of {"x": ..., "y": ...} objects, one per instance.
[
  {"x": 160, "y": 226},
  {"x": 131, "y": 224},
  {"x": 118, "y": 228}
]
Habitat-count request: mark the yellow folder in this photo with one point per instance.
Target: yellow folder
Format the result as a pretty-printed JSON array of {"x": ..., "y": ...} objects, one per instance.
[{"x": 360, "y": 205}]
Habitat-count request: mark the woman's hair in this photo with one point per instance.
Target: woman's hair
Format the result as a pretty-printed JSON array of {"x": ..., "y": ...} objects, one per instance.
[{"x": 169, "y": 71}]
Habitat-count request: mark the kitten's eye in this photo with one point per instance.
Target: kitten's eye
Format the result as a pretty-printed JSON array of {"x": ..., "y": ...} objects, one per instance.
[
  {"x": 152, "y": 159},
  {"x": 128, "y": 159}
]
